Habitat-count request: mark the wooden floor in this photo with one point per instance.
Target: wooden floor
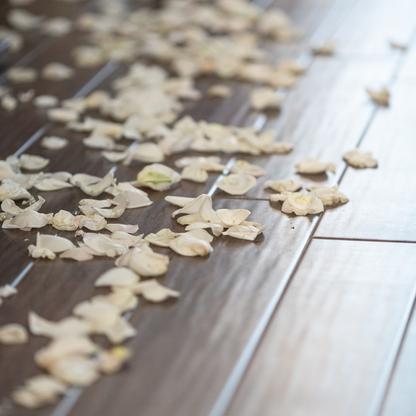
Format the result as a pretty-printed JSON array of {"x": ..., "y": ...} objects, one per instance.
[{"x": 315, "y": 319}]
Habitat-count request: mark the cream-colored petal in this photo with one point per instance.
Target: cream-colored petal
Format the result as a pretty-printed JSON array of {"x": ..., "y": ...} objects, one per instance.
[
  {"x": 237, "y": 184},
  {"x": 216, "y": 229},
  {"x": 13, "y": 192},
  {"x": 26, "y": 220},
  {"x": 54, "y": 243},
  {"x": 153, "y": 291},
  {"x": 53, "y": 142},
  {"x": 195, "y": 174},
  {"x": 244, "y": 232},
  {"x": 179, "y": 201},
  {"x": 115, "y": 212},
  {"x": 111, "y": 361},
  {"x": 11, "y": 334},
  {"x": 242, "y": 166},
  {"x": 266, "y": 98},
  {"x": 134, "y": 198},
  {"x": 7, "y": 291},
  {"x": 78, "y": 254},
  {"x": 38, "y": 252},
  {"x": 313, "y": 166},
  {"x": 117, "y": 276},
  {"x": 303, "y": 204},
  {"x": 51, "y": 184},
  {"x": 32, "y": 162},
  {"x": 92, "y": 222},
  {"x": 284, "y": 185},
  {"x": 232, "y": 217},
  {"x": 381, "y": 97},
  {"x": 65, "y": 221},
  {"x": 219, "y": 91},
  {"x": 158, "y": 177},
  {"x": 45, "y": 101},
  {"x": 162, "y": 238},
  {"x": 145, "y": 263},
  {"x": 70, "y": 327},
  {"x": 189, "y": 246},
  {"x": 95, "y": 189},
  {"x": 62, "y": 115},
  {"x": 76, "y": 370},
  {"x": 360, "y": 160},
  {"x": 127, "y": 228}
]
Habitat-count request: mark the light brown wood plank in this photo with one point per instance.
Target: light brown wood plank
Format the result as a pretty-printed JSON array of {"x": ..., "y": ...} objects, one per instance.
[
  {"x": 400, "y": 398},
  {"x": 371, "y": 25},
  {"x": 323, "y": 117},
  {"x": 381, "y": 201},
  {"x": 326, "y": 346}
]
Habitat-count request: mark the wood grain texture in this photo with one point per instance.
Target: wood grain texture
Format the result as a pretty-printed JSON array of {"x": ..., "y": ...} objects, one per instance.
[
  {"x": 186, "y": 349},
  {"x": 381, "y": 206},
  {"x": 326, "y": 346},
  {"x": 400, "y": 398},
  {"x": 323, "y": 117},
  {"x": 371, "y": 25}
]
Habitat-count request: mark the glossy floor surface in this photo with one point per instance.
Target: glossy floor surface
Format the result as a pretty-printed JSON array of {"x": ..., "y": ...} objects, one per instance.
[{"x": 316, "y": 317}]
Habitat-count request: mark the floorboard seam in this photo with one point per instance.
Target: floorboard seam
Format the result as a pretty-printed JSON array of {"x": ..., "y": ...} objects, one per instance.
[{"x": 363, "y": 239}]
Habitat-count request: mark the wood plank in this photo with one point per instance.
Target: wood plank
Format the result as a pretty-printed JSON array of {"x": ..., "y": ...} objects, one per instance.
[
  {"x": 220, "y": 305},
  {"x": 400, "y": 399},
  {"x": 381, "y": 206},
  {"x": 323, "y": 117},
  {"x": 326, "y": 347},
  {"x": 207, "y": 321},
  {"x": 372, "y": 24}
]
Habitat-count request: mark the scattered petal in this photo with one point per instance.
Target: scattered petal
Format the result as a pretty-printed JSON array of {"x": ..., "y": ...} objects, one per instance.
[
  {"x": 11, "y": 334},
  {"x": 232, "y": 217},
  {"x": 313, "y": 166},
  {"x": 145, "y": 263},
  {"x": 53, "y": 142},
  {"x": 189, "y": 246},
  {"x": 303, "y": 204},
  {"x": 284, "y": 185},
  {"x": 118, "y": 276},
  {"x": 153, "y": 291},
  {"x": 237, "y": 184},
  {"x": 162, "y": 238},
  {"x": 381, "y": 97},
  {"x": 360, "y": 160},
  {"x": 266, "y": 98},
  {"x": 244, "y": 232},
  {"x": 194, "y": 173},
  {"x": 158, "y": 177},
  {"x": 32, "y": 162},
  {"x": 242, "y": 166}
]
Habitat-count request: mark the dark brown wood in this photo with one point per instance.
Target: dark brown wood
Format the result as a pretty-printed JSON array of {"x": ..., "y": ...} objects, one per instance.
[
  {"x": 323, "y": 117},
  {"x": 325, "y": 349},
  {"x": 186, "y": 349}
]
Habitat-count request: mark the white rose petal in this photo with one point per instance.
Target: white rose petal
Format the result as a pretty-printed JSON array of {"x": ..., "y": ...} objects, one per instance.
[
  {"x": 153, "y": 291},
  {"x": 53, "y": 142},
  {"x": 189, "y": 246},
  {"x": 11, "y": 334},
  {"x": 145, "y": 263},
  {"x": 313, "y": 166},
  {"x": 360, "y": 160},
  {"x": 244, "y": 232},
  {"x": 237, "y": 184},
  {"x": 283, "y": 185},
  {"x": 242, "y": 166},
  {"x": 303, "y": 204}
]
